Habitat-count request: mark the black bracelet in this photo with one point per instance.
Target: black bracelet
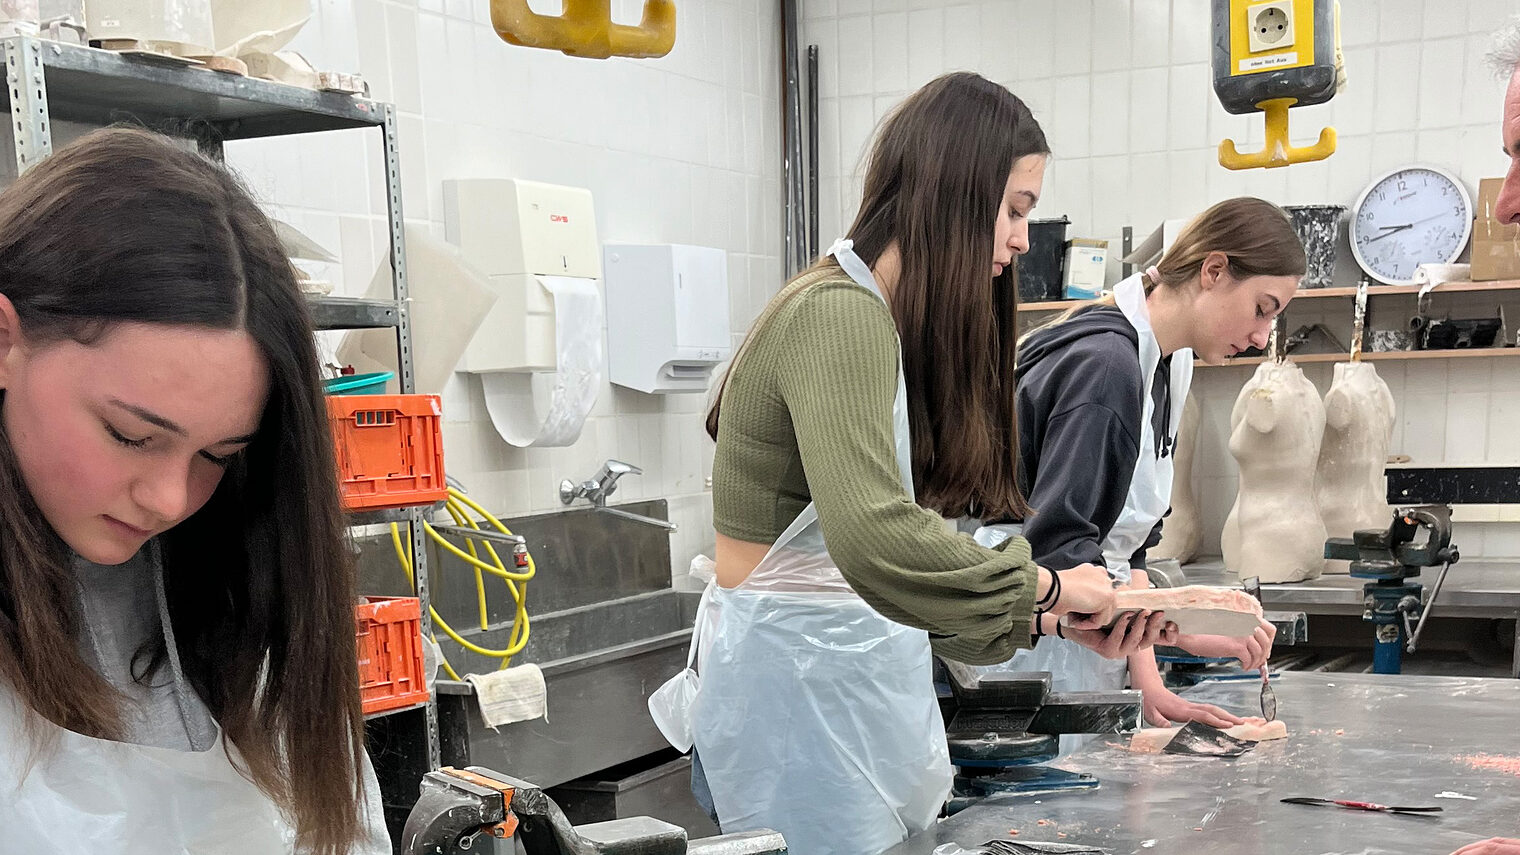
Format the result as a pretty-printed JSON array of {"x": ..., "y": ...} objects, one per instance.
[
  {"x": 1053, "y": 595},
  {"x": 1059, "y": 633},
  {"x": 1038, "y": 631}
]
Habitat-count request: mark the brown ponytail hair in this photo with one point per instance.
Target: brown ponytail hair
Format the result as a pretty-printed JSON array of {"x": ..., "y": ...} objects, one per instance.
[
  {"x": 933, "y": 184},
  {"x": 1256, "y": 237}
]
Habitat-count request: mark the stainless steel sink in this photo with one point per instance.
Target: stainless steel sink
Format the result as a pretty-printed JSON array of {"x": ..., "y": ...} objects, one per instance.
[
  {"x": 606, "y": 628},
  {"x": 600, "y": 664}
]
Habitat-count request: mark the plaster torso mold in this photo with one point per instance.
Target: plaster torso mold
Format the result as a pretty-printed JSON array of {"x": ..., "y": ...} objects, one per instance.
[
  {"x": 1274, "y": 531},
  {"x": 1351, "y": 489}
]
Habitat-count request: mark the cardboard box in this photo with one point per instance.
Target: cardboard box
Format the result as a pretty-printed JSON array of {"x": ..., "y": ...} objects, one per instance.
[
  {"x": 1086, "y": 268},
  {"x": 1495, "y": 245}
]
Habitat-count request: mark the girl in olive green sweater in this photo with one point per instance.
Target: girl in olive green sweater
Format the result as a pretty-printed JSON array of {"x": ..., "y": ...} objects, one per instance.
[{"x": 873, "y": 397}]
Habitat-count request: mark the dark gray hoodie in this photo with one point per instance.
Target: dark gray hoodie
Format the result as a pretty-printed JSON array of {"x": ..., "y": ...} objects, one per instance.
[{"x": 1079, "y": 406}]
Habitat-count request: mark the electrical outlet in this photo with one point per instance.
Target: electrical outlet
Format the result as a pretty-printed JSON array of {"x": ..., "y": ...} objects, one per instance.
[{"x": 1271, "y": 26}]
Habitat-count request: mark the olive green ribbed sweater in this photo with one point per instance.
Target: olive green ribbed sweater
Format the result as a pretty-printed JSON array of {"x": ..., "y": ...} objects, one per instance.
[{"x": 807, "y": 416}]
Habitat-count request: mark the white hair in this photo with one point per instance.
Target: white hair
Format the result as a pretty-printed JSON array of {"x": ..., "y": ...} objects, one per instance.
[{"x": 1504, "y": 55}]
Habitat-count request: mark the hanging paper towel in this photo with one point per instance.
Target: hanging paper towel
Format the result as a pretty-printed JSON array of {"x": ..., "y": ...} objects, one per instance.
[{"x": 549, "y": 408}]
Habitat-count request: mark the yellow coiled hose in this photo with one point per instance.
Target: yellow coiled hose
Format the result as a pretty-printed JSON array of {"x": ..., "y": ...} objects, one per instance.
[{"x": 517, "y": 583}]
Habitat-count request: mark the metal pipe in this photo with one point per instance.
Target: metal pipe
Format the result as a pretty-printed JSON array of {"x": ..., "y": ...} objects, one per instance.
[
  {"x": 812, "y": 134},
  {"x": 791, "y": 143},
  {"x": 1430, "y": 606},
  {"x": 628, "y": 515},
  {"x": 479, "y": 534}
]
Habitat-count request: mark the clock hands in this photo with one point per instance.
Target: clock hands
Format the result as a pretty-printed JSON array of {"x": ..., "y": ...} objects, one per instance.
[{"x": 1391, "y": 230}]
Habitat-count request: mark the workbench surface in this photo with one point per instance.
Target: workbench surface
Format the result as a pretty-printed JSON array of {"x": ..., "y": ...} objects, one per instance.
[
  {"x": 1476, "y": 588},
  {"x": 1479, "y": 588},
  {"x": 1395, "y": 740}
]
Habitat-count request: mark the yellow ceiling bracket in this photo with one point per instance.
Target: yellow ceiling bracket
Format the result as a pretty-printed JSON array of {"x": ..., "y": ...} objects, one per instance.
[
  {"x": 1278, "y": 151},
  {"x": 586, "y": 29}
]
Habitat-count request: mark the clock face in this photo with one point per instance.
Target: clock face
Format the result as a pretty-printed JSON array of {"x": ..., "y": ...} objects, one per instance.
[{"x": 1411, "y": 216}]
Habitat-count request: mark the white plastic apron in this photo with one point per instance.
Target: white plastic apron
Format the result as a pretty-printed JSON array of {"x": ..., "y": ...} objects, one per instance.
[
  {"x": 814, "y": 715},
  {"x": 1150, "y": 487},
  {"x": 1075, "y": 668},
  {"x": 94, "y": 795}
]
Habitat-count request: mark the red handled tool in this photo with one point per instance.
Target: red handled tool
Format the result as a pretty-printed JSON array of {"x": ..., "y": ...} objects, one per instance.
[{"x": 1303, "y": 800}]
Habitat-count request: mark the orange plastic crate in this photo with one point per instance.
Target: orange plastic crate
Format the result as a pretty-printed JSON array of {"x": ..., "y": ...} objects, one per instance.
[
  {"x": 391, "y": 673},
  {"x": 390, "y": 449}
]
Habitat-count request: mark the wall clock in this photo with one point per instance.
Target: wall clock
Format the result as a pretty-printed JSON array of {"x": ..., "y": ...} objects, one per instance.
[{"x": 1410, "y": 216}]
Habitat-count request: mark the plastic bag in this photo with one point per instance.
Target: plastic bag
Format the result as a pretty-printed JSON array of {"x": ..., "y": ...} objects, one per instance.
[
  {"x": 703, "y": 569},
  {"x": 670, "y": 707},
  {"x": 670, "y": 704}
]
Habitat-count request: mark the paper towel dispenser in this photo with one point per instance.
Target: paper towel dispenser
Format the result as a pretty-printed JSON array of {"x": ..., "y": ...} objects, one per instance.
[
  {"x": 539, "y": 352},
  {"x": 508, "y": 225},
  {"x": 667, "y": 315},
  {"x": 517, "y": 232}
]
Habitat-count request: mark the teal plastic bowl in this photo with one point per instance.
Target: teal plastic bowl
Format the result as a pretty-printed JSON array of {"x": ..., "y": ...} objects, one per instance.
[{"x": 358, "y": 384}]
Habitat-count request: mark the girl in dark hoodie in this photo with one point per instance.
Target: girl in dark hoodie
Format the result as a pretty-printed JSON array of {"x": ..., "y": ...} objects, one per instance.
[{"x": 1100, "y": 394}]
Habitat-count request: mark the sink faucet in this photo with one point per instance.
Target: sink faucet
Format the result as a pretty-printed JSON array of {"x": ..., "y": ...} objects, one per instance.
[
  {"x": 604, "y": 484},
  {"x": 601, "y": 485}
]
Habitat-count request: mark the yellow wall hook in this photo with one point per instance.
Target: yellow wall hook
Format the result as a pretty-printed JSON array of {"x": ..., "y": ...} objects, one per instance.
[
  {"x": 1277, "y": 151},
  {"x": 586, "y": 28}
]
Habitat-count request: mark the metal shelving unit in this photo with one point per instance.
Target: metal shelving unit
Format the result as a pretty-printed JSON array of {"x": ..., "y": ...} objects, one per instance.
[{"x": 51, "y": 80}]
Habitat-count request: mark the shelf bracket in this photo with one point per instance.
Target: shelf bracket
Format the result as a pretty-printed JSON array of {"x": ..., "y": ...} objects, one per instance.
[{"x": 29, "y": 106}]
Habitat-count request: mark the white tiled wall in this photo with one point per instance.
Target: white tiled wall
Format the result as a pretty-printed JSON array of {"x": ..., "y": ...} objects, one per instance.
[
  {"x": 1123, "y": 89},
  {"x": 682, "y": 149},
  {"x": 686, "y": 149}
]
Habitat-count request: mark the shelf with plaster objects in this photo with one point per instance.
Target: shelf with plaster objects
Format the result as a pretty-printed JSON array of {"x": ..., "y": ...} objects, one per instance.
[
  {"x": 1321, "y": 293},
  {"x": 1373, "y": 356},
  {"x": 1370, "y": 356}
]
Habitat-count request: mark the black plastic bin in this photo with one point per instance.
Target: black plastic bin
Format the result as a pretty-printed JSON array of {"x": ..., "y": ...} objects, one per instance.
[
  {"x": 658, "y": 785},
  {"x": 1041, "y": 268}
]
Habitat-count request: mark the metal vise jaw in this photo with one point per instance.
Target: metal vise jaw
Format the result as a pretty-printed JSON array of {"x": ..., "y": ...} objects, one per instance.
[
  {"x": 1391, "y": 554},
  {"x": 1005, "y": 725},
  {"x": 463, "y": 811}
]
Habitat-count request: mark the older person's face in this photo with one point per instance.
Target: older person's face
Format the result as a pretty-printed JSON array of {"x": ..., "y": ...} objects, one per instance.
[{"x": 1507, "y": 209}]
